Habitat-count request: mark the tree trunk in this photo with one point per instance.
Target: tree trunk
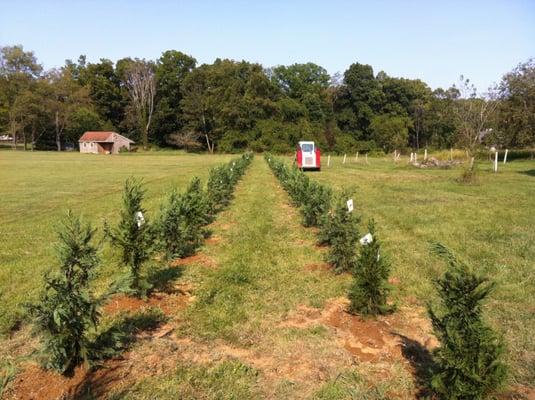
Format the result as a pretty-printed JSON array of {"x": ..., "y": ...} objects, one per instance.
[
  {"x": 210, "y": 147},
  {"x": 32, "y": 139},
  {"x": 58, "y": 133}
]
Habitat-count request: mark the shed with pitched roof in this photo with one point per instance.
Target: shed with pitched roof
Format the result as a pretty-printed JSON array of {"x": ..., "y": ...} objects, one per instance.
[{"x": 103, "y": 142}]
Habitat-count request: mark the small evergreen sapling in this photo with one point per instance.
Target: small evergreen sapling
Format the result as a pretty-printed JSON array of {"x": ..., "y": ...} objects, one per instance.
[
  {"x": 178, "y": 229},
  {"x": 469, "y": 359},
  {"x": 340, "y": 230},
  {"x": 67, "y": 310},
  {"x": 369, "y": 290},
  {"x": 133, "y": 235},
  {"x": 196, "y": 205}
]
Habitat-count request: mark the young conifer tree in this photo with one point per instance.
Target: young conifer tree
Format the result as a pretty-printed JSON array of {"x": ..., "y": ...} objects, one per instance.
[
  {"x": 66, "y": 310},
  {"x": 340, "y": 230},
  {"x": 196, "y": 205},
  {"x": 179, "y": 225},
  {"x": 469, "y": 359},
  {"x": 369, "y": 290},
  {"x": 133, "y": 235}
]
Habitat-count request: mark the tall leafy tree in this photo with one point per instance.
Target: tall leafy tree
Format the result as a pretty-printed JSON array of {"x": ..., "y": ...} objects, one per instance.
[
  {"x": 107, "y": 93},
  {"x": 516, "y": 111},
  {"x": 171, "y": 70},
  {"x": 67, "y": 96},
  {"x": 390, "y": 131},
  {"x": 18, "y": 69},
  {"x": 140, "y": 81}
]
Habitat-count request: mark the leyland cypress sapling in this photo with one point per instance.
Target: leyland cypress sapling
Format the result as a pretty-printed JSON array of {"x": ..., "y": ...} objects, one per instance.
[
  {"x": 469, "y": 360},
  {"x": 340, "y": 230},
  {"x": 178, "y": 230},
  {"x": 66, "y": 310},
  {"x": 370, "y": 288},
  {"x": 133, "y": 235}
]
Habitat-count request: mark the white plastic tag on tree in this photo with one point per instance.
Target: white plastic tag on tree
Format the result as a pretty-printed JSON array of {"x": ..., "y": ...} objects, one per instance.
[
  {"x": 140, "y": 219},
  {"x": 366, "y": 239},
  {"x": 349, "y": 205}
]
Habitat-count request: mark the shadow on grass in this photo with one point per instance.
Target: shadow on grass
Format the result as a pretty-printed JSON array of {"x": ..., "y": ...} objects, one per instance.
[
  {"x": 118, "y": 337},
  {"x": 530, "y": 172},
  {"x": 422, "y": 363},
  {"x": 161, "y": 280}
]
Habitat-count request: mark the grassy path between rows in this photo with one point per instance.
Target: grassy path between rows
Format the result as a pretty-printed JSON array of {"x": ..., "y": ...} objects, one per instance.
[
  {"x": 238, "y": 338},
  {"x": 259, "y": 278}
]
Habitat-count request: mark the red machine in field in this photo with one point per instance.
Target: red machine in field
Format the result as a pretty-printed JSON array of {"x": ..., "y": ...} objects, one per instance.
[{"x": 308, "y": 156}]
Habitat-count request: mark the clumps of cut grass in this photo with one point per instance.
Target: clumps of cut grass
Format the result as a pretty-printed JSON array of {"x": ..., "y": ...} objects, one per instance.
[{"x": 226, "y": 380}]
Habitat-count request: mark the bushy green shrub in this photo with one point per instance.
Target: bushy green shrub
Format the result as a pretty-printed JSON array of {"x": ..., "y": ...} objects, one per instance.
[
  {"x": 177, "y": 236},
  {"x": 66, "y": 309},
  {"x": 340, "y": 230},
  {"x": 370, "y": 288},
  {"x": 469, "y": 360},
  {"x": 134, "y": 236}
]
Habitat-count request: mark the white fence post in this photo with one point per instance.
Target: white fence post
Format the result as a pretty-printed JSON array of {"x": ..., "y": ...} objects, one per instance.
[
  {"x": 343, "y": 162},
  {"x": 496, "y": 161},
  {"x": 357, "y": 156},
  {"x": 329, "y": 160},
  {"x": 425, "y": 155},
  {"x": 505, "y": 156}
]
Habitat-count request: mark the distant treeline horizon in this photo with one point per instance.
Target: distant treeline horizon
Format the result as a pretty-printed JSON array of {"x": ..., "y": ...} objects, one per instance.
[{"x": 232, "y": 106}]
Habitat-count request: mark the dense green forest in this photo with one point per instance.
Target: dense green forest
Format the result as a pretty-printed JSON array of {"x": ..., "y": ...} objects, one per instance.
[{"x": 231, "y": 105}]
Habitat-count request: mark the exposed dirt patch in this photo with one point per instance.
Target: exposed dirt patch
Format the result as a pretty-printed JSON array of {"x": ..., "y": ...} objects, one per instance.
[
  {"x": 167, "y": 302},
  {"x": 319, "y": 267},
  {"x": 36, "y": 383},
  {"x": 214, "y": 239},
  {"x": 197, "y": 259},
  {"x": 151, "y": 357},
  {"x": 518, "y": 392},
  {"x": 369, "y": 340}
]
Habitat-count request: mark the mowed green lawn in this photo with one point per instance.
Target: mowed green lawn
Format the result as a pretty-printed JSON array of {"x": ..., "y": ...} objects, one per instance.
[
  {"x": 490, "y": 225},
  {"x": 36, "y": 189},
  {"x": 263, "y": 249}
]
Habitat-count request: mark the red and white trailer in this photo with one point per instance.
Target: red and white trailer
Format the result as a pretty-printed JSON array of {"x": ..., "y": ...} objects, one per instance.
[{"x": 308, "y": 156}]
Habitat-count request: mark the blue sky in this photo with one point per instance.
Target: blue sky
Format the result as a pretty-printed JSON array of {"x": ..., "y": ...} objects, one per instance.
[{"x": 429, "y": 40}]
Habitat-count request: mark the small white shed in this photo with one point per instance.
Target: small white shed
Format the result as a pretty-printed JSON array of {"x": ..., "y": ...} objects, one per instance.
[{"x": 103, "y": 142}]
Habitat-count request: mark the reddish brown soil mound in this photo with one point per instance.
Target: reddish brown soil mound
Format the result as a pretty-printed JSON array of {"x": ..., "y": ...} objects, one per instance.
[
  {"x": 167, "y": 302},
  {"x": 378, "y": 339}
]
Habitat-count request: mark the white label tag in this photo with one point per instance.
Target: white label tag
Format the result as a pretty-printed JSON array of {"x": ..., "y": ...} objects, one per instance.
[
  {"x": 366, "y": 239},
  {"x": 140, "y": 219},
  {"x": 349, "y": 205}
]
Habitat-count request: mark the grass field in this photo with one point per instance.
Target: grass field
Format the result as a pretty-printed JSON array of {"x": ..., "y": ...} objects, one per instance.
[
  {"x": 265, "y": 318},
  {"x": 37, "y": 188}
]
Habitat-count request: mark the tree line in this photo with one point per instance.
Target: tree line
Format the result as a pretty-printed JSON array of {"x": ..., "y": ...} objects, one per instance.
[{"x": 231, "y": 106}]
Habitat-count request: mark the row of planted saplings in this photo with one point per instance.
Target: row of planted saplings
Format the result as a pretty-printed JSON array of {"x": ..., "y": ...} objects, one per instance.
[
  {"x": 468, "y": 364},
  {"x": 67, "y": 313}
]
